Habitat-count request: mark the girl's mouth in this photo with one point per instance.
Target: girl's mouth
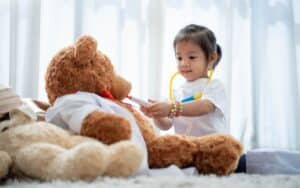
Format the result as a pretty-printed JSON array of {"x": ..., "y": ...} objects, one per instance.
[{"x": 186, "y": 71}]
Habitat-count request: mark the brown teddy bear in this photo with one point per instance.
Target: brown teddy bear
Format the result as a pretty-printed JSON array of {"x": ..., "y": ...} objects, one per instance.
[
  {"x": 30, "y": 149},
  {"x": 82, "y": 79}
]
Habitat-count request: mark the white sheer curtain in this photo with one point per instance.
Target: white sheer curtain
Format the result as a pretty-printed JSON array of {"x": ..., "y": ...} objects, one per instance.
[
  {"x": 33, "y": 31},
  {"x": 260, "y": 66}
]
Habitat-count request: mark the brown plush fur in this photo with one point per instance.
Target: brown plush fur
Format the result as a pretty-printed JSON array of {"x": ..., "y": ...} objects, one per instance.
[
  {"x": 104, "y": 128},
  {"x": 82, "y": 68},
  {"x": 66, "y": 74},
  {"x": 144, "y": 125}
]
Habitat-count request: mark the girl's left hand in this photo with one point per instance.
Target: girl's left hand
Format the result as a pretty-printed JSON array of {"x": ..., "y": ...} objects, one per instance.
[{"x": 159, "y": 109}]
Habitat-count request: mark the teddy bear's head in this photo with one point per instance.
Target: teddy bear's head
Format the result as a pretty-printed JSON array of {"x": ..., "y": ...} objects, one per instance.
[{"x": 81, "y": 67}]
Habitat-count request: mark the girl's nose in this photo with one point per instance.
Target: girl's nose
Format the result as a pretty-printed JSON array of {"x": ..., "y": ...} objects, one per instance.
[{"x": 184, "y": 63}]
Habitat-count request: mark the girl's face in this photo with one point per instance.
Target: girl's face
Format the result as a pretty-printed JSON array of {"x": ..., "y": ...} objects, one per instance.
[{"x": 191, "y": 60}]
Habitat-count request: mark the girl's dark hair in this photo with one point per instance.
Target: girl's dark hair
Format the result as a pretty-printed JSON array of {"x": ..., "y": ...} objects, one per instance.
[{"x": 201, "y": 36}]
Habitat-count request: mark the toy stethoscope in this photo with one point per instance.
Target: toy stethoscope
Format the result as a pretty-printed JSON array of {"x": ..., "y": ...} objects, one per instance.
[
  {"x": 171, "y": 96},
  {"x": 190, "y": 98}
]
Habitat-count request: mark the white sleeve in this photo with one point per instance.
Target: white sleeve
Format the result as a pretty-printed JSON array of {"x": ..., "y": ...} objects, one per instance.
[{"x": 215, "y": 93}]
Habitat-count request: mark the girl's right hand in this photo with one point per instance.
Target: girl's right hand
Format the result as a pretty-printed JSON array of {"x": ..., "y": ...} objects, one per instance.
[{"x": 145, "y": 109}]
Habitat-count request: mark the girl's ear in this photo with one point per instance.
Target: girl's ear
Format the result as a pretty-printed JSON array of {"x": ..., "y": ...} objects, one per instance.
[{"x": 212, "y": 60}]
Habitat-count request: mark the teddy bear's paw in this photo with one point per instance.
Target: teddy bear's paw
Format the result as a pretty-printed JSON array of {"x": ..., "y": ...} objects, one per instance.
[
  {"x": 46, "y": 161},
  {"x": 125, "y": 159},
  {"x": 218, "y": 154},
  {"x": 106, "y": 127},
  {"x": 85, "y": 161},
  {"x": 5, "y": 163}
]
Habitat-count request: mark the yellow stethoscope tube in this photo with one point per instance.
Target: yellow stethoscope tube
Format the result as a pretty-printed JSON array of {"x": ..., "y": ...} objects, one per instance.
[
  {"x": 197, "y": 95},
  {"x": 171, "y": 96}
]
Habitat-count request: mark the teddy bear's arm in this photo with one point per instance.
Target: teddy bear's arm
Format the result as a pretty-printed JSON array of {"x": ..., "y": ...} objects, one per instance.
[{"x": 106, "y": 127}]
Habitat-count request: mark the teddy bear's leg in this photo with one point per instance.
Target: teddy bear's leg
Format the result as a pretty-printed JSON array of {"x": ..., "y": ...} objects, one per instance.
[
  {"x": 171, "y": 149},
  {"x": 106, "y": 127},
  {"x": 47, "y": 161},
  {"x": 5, "y": 164},
  {"x": 218, "y": 154},
  {"x": 125, "y": 159}
]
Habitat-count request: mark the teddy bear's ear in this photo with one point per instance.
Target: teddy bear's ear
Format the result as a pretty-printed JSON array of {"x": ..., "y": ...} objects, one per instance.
[{"x": 85, "y": 49}]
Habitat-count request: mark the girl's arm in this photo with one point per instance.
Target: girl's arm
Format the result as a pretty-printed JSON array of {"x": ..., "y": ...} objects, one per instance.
[
  {"x": 162, "y": 123},
  {"x": 193, "y": 108},
  {"x": 197, "y": 108}
]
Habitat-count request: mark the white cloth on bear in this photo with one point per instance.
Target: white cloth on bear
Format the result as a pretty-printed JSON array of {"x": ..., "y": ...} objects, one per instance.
[{"x": 70, "y": 110}]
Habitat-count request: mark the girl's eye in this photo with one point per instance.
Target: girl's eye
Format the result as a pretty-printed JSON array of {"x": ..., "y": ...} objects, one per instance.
[
  {"x": 179, "y": 58},
  {"x": 192, "y": 57}
]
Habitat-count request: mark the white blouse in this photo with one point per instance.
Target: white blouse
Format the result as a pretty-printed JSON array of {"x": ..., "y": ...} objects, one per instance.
[{"x": 209, "y": 123}]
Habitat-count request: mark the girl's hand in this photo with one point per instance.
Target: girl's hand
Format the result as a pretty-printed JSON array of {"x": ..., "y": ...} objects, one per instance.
[
  {"x": 145, "y": 111},
  {"x": 159, "y": 109}
]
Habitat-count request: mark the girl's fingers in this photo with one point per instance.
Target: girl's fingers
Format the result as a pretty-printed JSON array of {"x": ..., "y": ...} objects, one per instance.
[
  {"x": 152, "y": 101},
  {"x": 151, "y": 108},
  {"x": 157, "y": 116},
  {"x": 146, "y": 111}
]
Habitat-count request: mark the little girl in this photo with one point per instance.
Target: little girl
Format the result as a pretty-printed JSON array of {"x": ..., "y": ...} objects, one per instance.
[
  {"x": 200, "y": 108},
  {"x": 197, "y": 53}
]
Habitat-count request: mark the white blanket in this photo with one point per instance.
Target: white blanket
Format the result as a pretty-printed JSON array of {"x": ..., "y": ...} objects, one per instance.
[{"x": 272, "y": 161}]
